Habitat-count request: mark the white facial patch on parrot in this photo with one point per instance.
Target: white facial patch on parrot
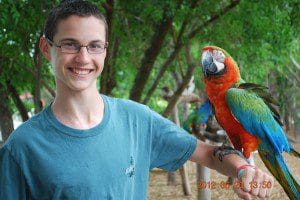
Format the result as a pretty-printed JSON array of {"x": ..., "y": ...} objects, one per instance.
[{"x": 218, "y": 58}]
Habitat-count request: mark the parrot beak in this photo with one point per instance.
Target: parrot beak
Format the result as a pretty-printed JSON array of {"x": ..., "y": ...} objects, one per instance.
[
  {"x": 207, "y": 63},
  {"x": 210, "y": 66}
]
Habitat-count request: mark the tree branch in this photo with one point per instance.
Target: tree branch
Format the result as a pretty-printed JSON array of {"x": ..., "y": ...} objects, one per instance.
[
  {"x": 18, "y": 102},
  {"x": 166, "y": 64},
  {"x": 112, "y": 70},
  {"x": 187, "y": 78},
  {"x": 6, "y": 121},
  {"x": 150, "y": 55},
  {"x": 50, "y": 90},
  {"x": 293, "y": 74},
  {"x": 180, "y": 44},
  {"x": 37, "y": 59},
  {"x": 214, "y": 17},
  {"x": 149, "y": 58},
  {"x": 297, "y": 65}
]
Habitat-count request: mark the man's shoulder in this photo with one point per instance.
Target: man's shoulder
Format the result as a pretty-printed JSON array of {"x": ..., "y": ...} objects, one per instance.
[
  {"x": 25, "y": 132},
  {"x": 126, "y": 104}
]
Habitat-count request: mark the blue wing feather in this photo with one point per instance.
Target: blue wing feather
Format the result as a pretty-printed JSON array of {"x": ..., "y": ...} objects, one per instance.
[
  {"x": 204, "y": 112},
  {"x": 256, "y": 117},
  {"x": 198, "y": 116}
]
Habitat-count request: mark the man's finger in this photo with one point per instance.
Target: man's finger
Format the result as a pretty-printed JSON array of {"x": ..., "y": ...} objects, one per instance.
[
  {"x": 246, "y": 178},
  {"x": 255, "y": 184},
  {"x": 263, "y": 188},
  {"x": 242, "y": 194},
  {"x": 270, "y": 185}
]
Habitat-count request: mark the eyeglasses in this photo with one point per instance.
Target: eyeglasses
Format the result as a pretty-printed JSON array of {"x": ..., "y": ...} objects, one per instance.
[{"x": 73, "y": 47}]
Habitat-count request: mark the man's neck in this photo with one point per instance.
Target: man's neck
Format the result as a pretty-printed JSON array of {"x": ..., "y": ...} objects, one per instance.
[{"x": 80, "y": 110}]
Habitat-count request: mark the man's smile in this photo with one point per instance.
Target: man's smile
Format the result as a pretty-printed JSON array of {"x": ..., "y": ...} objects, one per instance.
[{"x": 80, "y": 71}]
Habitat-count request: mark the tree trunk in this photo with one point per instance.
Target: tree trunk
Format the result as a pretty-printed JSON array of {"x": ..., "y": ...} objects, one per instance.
[
  {"x": 171, "y": 180},
  {"x": 111, "y": 80},
  {"x": 150, "y": 56},
  {"x": 166, "y": 64},
  {"x": 186, "y": 80},
  {"x": 18, "y": 102},
  {"x": 45, "y": 84},
  {"x": 186, "y": 187},
  {"x": 6, "y": 120},
  {"x": 38, "y": 78},
  {"x": 106, "y": 73}
]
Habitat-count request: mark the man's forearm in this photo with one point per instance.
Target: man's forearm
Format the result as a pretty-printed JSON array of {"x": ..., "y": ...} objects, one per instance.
[
  {"x": 228, "y": 165},
  {"x": 204, "y": 156}
]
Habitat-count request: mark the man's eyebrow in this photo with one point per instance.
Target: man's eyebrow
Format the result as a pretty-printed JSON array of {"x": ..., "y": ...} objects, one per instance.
[
  {"x": 68, "y": 39},
  {"x": 74, "y": 40},
  {"x": 94, "y": 41}
]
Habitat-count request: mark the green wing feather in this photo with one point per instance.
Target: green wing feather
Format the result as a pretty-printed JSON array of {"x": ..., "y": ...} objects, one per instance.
[{"x": 262, "y": 92}]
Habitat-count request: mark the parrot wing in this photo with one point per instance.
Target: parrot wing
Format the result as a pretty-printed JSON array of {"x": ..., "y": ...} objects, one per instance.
[
  {"x": 256, "y": 117},
  {"x": 203, "y": 113},
  {"x": 262, "y": 92},
  {"x": 198, "y": 116},
  {"x": 188, "y": 123}
]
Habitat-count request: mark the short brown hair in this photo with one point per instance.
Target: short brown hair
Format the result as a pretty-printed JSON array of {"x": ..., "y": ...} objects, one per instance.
[{"x": 68, "y": 8}]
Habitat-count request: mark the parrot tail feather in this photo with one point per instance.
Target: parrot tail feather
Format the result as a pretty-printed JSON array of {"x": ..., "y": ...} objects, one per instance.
[
  {"x": 294, "y": 153},
  {"x": 281, "y": 172}
]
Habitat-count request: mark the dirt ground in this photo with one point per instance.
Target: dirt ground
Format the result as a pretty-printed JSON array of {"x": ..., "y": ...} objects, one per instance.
[{"x": 159, "y": 190}]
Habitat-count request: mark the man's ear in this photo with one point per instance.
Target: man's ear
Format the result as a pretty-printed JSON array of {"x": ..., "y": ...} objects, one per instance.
[{"x": 45, "y": 48}]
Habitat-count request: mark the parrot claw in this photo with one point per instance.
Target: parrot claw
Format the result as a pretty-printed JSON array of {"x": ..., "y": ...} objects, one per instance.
[
  {"x": 226, "y": 150},
  {"x": 223, "y": 147},
  {"x": 233, "y": 151}
]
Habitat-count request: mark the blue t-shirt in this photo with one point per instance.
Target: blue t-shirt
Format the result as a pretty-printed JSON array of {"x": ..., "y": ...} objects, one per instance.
[{"x": 44, "y": 159}]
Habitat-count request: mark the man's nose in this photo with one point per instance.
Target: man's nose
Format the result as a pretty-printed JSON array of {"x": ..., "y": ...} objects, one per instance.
[{"x": 83, "y": 56}]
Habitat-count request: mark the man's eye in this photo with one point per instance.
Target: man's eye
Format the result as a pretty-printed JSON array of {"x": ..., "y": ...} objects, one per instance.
[
  {"x": 96, "y": 46},
  {"x": 70, "y": 45}
]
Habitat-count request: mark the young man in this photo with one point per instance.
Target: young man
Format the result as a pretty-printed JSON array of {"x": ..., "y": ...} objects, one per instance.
[{"x": 90, "y": 146}]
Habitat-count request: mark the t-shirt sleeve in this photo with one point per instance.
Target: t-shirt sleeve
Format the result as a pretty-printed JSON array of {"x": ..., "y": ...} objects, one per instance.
[
  {"x": 171, "y": 145},
  {"x": 12, "y": 181}
]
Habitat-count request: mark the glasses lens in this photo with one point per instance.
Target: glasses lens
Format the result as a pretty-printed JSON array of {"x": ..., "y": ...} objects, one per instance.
[
  {"x": 70, "y": 47},
  {"x": 96, "y": 48}
]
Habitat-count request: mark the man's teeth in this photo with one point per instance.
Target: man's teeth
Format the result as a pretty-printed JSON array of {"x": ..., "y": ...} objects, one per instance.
[{"x": 81, "y": 71}]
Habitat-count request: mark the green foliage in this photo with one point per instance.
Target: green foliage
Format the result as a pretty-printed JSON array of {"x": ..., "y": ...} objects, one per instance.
[
  {"x": 22, "y": 23},
  {"x": 260, "y": 35}
]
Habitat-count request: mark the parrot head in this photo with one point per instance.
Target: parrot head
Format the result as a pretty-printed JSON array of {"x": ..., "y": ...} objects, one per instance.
[{"x": 218, "y": 65}]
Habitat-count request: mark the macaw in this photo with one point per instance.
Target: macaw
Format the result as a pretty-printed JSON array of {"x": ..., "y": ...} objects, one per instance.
[
  {"x": 198, "y": 117},
  {"x": 246, "y": 112}
]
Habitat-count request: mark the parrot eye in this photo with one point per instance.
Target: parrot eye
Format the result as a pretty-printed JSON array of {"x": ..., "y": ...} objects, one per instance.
[{"x": 218, "y": 56}]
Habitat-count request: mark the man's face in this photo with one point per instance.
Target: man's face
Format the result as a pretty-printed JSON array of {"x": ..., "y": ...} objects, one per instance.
[{"x": 78, "y": 71}]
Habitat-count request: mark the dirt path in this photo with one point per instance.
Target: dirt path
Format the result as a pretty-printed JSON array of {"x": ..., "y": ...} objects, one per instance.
[{"x": 159, "y": 190}]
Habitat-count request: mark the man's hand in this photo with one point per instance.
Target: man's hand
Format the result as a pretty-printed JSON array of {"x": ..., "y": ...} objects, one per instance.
[{"x": 254, "y": 182}]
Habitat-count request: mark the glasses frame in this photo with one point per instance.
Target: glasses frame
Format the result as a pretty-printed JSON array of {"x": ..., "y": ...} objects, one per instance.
[{"x": 80, "y": 46}]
